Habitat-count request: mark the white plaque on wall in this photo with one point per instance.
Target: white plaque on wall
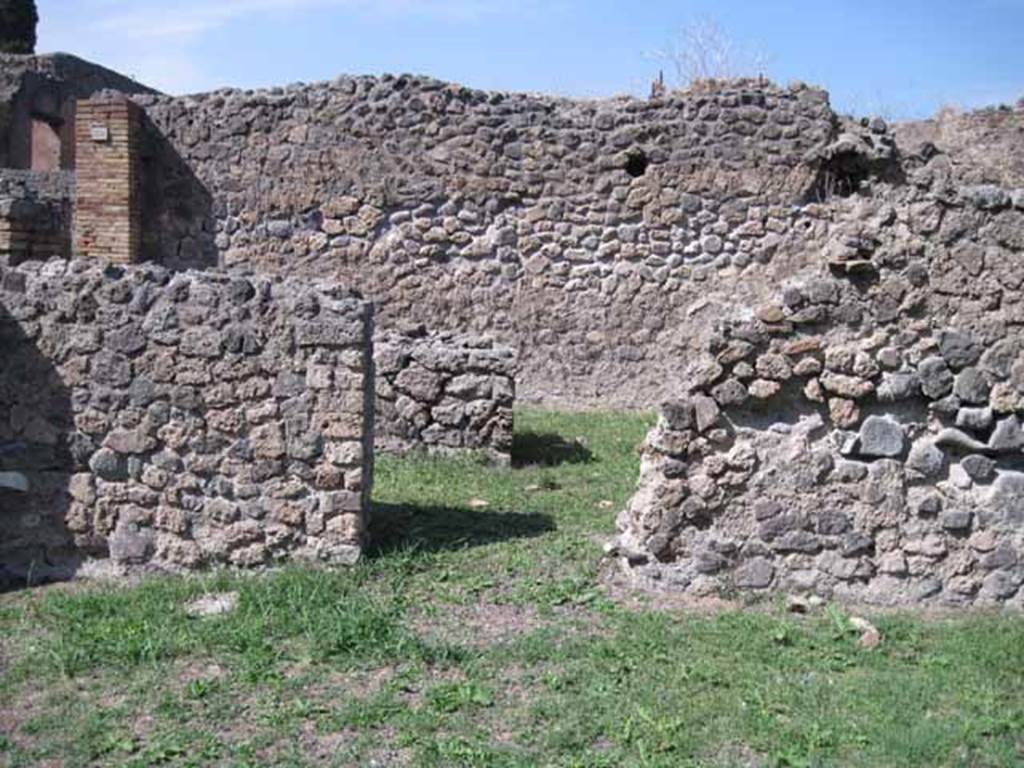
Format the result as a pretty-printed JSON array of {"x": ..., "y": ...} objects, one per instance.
[{"x": 99, "y": 132}]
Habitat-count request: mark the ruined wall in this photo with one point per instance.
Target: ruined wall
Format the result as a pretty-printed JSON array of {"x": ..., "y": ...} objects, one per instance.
[
  {"x": 580, "y": 232},
  {"x": 985, "y": 146},
  {"x": 179, "y": 420},
  {"x": 35, "y": 215},
  {"x": 859, "y": 436},
  {"x": 38, "y": 96},
  {"x": 445, "y": 392},
  {"x": 40, "y": 91}
]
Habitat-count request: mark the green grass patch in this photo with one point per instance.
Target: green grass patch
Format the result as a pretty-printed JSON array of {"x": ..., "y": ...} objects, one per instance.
[{"x": 477, "y": 633}]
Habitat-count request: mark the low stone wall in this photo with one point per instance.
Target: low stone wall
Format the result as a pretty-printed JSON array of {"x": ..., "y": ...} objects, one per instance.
[
  {"x": 860, "y": 436},
  {"x": 35, "y": 215},
  {"x": 445, "y": 392},
  {"x": 176, "y": 421}
]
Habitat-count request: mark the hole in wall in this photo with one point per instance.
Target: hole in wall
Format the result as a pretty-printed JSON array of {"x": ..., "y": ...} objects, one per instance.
[
  {"x": 636, "y": 163},
  {"x": 845, "y": 172},
  {"x": 842, "y": 176}
]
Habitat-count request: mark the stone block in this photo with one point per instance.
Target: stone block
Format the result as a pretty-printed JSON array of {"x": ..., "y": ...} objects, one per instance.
[{"x": 881, "y": 437}]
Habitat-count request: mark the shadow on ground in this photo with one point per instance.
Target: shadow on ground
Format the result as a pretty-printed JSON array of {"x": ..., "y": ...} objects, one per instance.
[
  {"x": 435, "y": 528},
  {"x": 547, "y": 449}
]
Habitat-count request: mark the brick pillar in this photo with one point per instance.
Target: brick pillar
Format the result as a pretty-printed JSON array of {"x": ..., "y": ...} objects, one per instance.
[{"x": 107, "y": 217}]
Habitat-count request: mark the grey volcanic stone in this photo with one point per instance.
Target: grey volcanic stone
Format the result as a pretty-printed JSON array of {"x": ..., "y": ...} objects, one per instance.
[
  {"x": 947, "y": 406},
  {"x": 832, "y": 523},
  {"x": 971, "y": 386},
  {"x": 852, "y": 387},
  {"x": 986, "y": 196},
  {"x": 881, "y": 437},
  {"x": 778, "y": 525},
  {"x": 756, "y": 573},
  {"x": 678, "y": 414},
  {"x": 280, "y": 229},
  {"x": 798, "y": 541},
  {"x": 729, "y": 392},
  {"x": 707, "y": 561},
  {"x": 1000, "y": 585},
  {"x": 774, "y": 367},
  {"x": 976, "y": 419},
  {"x": 130, "y": 441},
  {"x": 890, "y": 357},
  {"x": 108, "y": 465},
  {"x": 1003, "y": 556},
  {"x": 849, "y": 471},
  {"x": 936, "y": 378},
  {"x": 130, "y": 544},
  {"x": 707, "y": 412},
  {"x": 1005, "y": 504},
  {"x": 999, "y": 358},
  {"x": 956, "y": 519},
  {"x": 1007, "y": 436},
  {"x": 898, "y": 386},
  {"x": 958, "y": 349},
  {"x": 978, "y": 467},
  {"x": 767, "y": 508},
  {"x": 856, "y": 543},
  {"x": 925, "y": 458},
  {"x": 712, "y": 244}
]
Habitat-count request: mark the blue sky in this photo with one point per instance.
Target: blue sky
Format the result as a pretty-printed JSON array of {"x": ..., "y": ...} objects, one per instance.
[{"x": 898, "y": 58}]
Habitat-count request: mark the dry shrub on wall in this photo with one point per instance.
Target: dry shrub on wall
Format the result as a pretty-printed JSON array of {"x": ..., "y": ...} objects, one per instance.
[
  {"x": 702, "y": 55},
  {"x": 947, "y": 113}
]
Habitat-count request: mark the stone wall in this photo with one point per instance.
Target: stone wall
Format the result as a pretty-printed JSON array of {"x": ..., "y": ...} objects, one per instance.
[
  {"x": 35, "y": 215},
  {"x": 444, "y": 392},
  {"x": 580, "y": 232},
  {"x": 984, "y": 145},
  {"x": 859, "y": 436},
  {"x": 173, "y": 421}
]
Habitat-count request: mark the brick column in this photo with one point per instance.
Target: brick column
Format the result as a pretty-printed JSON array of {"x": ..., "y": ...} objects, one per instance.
[{"x": 107, "y": 217}]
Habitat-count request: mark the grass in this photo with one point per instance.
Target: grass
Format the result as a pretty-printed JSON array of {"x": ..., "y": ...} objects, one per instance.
[{"x": 478, "y": 633}]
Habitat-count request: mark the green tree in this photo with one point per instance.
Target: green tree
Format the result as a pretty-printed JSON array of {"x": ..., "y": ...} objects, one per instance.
[{"x": 18, "y": 19}]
